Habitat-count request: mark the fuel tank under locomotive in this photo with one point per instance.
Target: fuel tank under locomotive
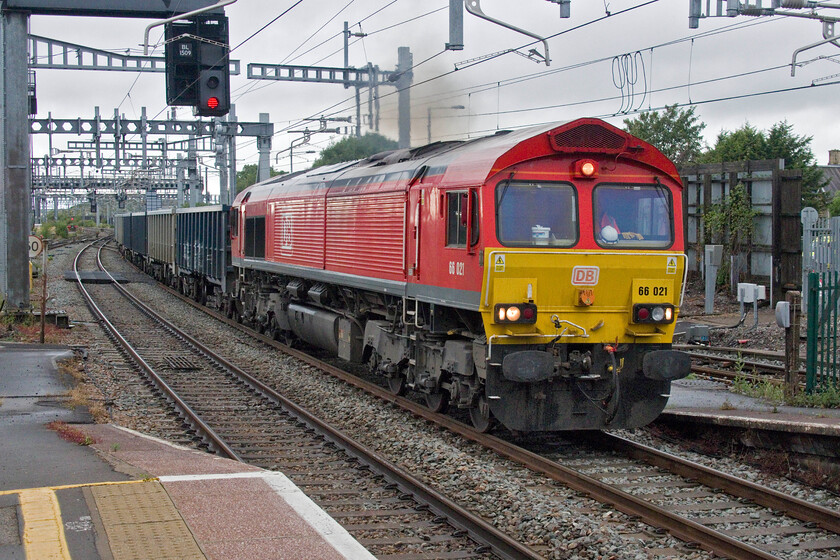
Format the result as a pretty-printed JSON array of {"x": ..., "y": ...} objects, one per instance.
[{"x": 334, "y": 333}]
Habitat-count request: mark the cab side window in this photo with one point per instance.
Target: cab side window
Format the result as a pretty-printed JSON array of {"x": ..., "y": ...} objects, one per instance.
[
  {"x": 456, "y": 219},
  {"x": 234, "y": 222},
  {"x": 255, "y": 237}
]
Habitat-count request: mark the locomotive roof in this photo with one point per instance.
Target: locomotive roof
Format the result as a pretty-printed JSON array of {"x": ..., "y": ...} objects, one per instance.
[{"x": 472, "y": 162}]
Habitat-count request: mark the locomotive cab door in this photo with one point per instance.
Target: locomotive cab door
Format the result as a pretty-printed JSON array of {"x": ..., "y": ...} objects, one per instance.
[
  {"x": 459, "y": 212},
  {"x": 417, "y": 210}
]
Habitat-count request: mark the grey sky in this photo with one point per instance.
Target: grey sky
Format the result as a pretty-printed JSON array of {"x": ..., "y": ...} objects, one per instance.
[{"x": 495, "y": 93}]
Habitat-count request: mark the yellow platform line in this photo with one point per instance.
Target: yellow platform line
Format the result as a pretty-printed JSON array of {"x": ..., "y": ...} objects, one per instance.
[
  {"x": 43, "y": 529},
  {"x": 71, "y": 486}
]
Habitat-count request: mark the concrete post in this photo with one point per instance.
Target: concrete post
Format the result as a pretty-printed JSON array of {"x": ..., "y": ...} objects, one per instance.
[
  {"x": 221, "y": 160},
  {"x": 180, "y": 180},
  {"x": 713, "y": 255},
  {"x": 404, "y": 67},
  {"x": 456, "y": 26},
  {"x": 14, "y": 162},
  {"x": 231, "y": 139},
  {"x": 191, "y": 172},
  {"x": 264, "y": 147}
]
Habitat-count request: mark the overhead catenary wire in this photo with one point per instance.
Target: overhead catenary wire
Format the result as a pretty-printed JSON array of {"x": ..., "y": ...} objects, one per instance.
[
  {"x": 250, "y": 87},
  {"x": 335, "y": 52},
  {"x": 336, "y": 108},
  {"x": 439, "y": 76},
  {"x": 504, "y": 83}
]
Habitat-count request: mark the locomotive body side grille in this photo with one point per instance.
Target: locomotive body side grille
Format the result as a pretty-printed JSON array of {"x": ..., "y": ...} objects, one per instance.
[{"x": 588, "y": 138}]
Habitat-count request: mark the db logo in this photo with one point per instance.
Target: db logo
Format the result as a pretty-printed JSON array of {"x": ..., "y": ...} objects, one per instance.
[{"x": 585, "y": 275}]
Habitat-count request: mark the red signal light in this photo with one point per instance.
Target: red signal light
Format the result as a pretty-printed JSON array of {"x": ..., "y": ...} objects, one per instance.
[{"x": 212, "y": 102}]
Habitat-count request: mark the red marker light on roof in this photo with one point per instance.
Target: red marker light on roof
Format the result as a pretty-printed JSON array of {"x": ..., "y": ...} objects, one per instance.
[
  {"x": 586, "y": 168},
  {"x": 212, "y": 102}
]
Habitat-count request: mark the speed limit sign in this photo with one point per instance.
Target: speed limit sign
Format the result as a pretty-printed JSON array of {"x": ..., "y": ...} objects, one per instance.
[{"x": 36, "y": 246}]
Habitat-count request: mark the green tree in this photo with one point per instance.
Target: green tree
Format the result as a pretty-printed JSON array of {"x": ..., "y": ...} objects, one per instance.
[
  {"x": 746, "y": 143},
  {"x": 248, "y": 176},
  {"x": 780, "y": 142},
  {"x": 353, "y": 148},
  {"x": 732, "y": 221},
  {"x": 677, "y": 133},
  {"x": 834, "y": 205}
]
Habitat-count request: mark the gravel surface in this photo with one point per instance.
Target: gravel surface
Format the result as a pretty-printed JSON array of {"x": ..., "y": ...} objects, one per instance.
[
  {"x": 765, "y": 335},
  {"x": 539, "y": 512}
]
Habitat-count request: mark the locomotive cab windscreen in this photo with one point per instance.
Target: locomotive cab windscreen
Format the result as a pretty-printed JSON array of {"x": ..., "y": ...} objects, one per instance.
[
  {"x": 633, "y": 216},
  {"x": 532, "y": 214}
]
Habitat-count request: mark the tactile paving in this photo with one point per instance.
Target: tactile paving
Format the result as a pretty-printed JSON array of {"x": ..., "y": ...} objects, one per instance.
[{"x": 141, "y": 522}]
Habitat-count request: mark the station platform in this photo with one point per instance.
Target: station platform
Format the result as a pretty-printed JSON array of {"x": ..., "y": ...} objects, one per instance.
[{"x": 126, "y": 495}]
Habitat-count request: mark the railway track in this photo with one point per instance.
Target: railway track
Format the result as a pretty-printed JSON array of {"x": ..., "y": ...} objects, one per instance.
[
  {"x": 773, "y": 523},
  {"x": 758, "y": 514},
  {"x": 728, "y": 364},
  {"x": 390, "y": 512}
]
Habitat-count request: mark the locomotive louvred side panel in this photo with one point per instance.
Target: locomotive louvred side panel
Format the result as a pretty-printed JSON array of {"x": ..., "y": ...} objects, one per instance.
[
  {"x": 297, "y": 231},
  {"x": 366, "y": 235}
]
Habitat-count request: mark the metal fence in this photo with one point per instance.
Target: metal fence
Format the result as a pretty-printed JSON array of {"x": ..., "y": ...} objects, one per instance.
[
  {"x": 823, "y": 297},
  {"x": 820, "y": 248}
]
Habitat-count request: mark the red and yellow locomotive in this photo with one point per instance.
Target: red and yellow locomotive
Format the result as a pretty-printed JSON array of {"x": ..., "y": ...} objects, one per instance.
[{"x": 530, "y": 277}]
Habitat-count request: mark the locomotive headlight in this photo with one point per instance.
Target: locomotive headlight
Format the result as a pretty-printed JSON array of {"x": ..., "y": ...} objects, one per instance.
[
  {"x": 653, "y": 313},
  {"x": 522, "y": 313}
]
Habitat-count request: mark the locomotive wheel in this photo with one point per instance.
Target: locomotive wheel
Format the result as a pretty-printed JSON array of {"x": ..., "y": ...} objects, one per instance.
[
  {"x": 480, "y": 415},
  {"x": 437, "y": 402},
  {"x": 397, "y": 385}
]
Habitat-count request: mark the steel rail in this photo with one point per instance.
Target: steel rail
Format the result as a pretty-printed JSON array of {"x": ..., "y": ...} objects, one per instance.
[
  {"x": 501, "y": 544},
  {"x": 745, "y": 363},
  {"x": 186, "y": 411},
  {"x": 732, "y": 350},
  {"x": 761, "y": 495},
  {"x": 678, "y": 526}
]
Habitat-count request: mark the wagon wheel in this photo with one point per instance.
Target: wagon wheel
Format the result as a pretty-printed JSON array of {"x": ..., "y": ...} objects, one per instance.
[
  {"x": 480, "y": 415},
  {"x": 438, "y": 402}
]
